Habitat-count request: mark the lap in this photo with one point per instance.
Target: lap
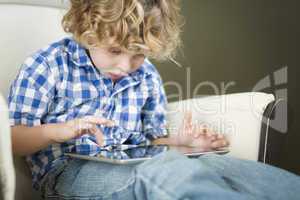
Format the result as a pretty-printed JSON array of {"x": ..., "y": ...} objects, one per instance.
[
  {"x": 213, "y": 176},
  {"x": 173, "y": 176},
  {"x": 92, "y": 180}
]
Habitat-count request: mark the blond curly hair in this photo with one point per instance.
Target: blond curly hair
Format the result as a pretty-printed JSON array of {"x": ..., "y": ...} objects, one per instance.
[{"x": 151, "y": 27}]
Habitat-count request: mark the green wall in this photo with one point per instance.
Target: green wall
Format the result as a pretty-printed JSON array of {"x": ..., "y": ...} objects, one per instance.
[{"x": 237, "y": 43}]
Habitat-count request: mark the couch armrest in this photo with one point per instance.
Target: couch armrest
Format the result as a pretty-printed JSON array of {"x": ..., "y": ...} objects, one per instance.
[
  {"x": 273, "y": 131},
  {"x": 7, "y": 172},
  {"x": 238, "y": 116}
]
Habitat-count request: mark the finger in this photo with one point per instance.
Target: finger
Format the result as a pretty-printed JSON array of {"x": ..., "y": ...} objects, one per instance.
[
  {"x": 198, "y": 132},
  {"x": 203, "y": 128},
  {"x": 206, "y": 136},
  {"x": 188, "y": 122},
  {"x": 188, "y": 117},
  {"x": 97, "y": 133},
  {"x": 186, "y": 126},
  {"x": 98, "y": 120},
  {"x": 223, "y": 137},
  {"x": 213, "y": 137},
  {"x": 219, "y": 144},
  {"x": 203, "y": 132},
  {"x": 93, "y": 129},
  {"x": 220, "y": 136},
  {"x": 211, "y": 134},
  {"x": 99, "y": 137},
  {"x": 83, "y": 128}
]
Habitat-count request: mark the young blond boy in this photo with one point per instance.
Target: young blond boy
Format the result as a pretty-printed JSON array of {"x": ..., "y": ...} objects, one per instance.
[{"x": 97, "y": 89}]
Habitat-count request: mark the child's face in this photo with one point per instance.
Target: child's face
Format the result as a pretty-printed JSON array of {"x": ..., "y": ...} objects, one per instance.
[{"x": 115, "y": 62}]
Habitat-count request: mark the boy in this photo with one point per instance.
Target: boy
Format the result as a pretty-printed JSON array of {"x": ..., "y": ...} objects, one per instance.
[
  {"x": 97, "y": 89},
  {"x": 62, "y": 93}
]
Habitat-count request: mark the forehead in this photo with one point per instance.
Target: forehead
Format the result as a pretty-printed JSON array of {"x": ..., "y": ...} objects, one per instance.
[{"x": 134, "y": 48}]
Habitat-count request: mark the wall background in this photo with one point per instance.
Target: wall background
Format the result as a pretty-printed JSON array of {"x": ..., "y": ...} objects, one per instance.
[{"x": 242, "y": 42}]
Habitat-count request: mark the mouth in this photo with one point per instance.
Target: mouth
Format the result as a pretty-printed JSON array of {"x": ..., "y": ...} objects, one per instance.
[
  {"x": 114, "y": 76},
  {"x": 114, "y": 73}
]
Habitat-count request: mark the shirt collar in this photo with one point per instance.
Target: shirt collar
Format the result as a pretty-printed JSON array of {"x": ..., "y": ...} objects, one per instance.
[
  {"x": 78, "y": 54},
  {"x": 143, "y": 71}
]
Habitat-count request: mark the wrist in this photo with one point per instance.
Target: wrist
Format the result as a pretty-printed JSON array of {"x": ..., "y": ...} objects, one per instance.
[
  {"x": 182, "y": 137},
  {"x": 176, "y": 139},
  {"x": 53, "y": 132},
  {"x": 172, "y": 139}
]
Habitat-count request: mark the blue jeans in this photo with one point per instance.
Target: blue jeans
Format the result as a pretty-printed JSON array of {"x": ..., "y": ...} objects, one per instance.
[{"x": 172, "y": 176}]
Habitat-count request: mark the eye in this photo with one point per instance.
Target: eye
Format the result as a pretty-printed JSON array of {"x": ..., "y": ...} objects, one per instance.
[{"x": 115, "y": 50}]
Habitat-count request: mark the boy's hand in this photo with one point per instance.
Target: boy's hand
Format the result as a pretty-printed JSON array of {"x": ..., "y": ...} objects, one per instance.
[
  {"x": 77, "y": 127},
  {"x": 195, "y": 136}
]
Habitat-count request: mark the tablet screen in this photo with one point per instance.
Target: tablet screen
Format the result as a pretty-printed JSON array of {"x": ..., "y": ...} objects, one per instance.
[
  {"x": 132, "y": 153},
  {"x": 125, "y": 152}
]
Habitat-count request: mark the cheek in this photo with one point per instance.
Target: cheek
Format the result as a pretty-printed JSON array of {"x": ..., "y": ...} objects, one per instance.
[
  {"x": 137, "y": 63},
  {"x": 101, "y": 61}
]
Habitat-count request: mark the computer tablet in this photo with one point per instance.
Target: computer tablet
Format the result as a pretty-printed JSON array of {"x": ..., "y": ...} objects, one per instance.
[{"x": 132, "y": 154}]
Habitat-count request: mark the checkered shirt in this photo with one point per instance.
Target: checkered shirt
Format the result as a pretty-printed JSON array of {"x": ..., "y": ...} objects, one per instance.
[{"x": 59, "y": 83}]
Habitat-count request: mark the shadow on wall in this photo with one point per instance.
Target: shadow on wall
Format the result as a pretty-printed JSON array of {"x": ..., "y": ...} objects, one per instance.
[{"x": 230, "y": 46}]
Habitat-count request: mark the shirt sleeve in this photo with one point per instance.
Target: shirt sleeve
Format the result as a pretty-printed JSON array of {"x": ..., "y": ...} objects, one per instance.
[{"x": 29, "y": 94}]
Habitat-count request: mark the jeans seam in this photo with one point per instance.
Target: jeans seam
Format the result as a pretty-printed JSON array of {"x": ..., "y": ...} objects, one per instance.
[
  {"x": 59, "y": 196},
  {"x": 147, "y": 180}
]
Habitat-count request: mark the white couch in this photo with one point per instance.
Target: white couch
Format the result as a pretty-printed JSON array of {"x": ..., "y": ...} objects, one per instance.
[
  {"x": 25, "y": 28},
  {"x": 26, "y": 25}
]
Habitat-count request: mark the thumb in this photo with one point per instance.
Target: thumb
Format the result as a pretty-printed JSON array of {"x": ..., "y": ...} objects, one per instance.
[{"x": 188, "y": 125}]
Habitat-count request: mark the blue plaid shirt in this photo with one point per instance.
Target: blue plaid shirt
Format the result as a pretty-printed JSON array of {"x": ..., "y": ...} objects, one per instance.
[{"x": 59, "y": 83}]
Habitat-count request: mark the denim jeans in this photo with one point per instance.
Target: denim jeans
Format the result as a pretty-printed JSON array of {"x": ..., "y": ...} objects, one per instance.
[{"x": 172, "y": 176}]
